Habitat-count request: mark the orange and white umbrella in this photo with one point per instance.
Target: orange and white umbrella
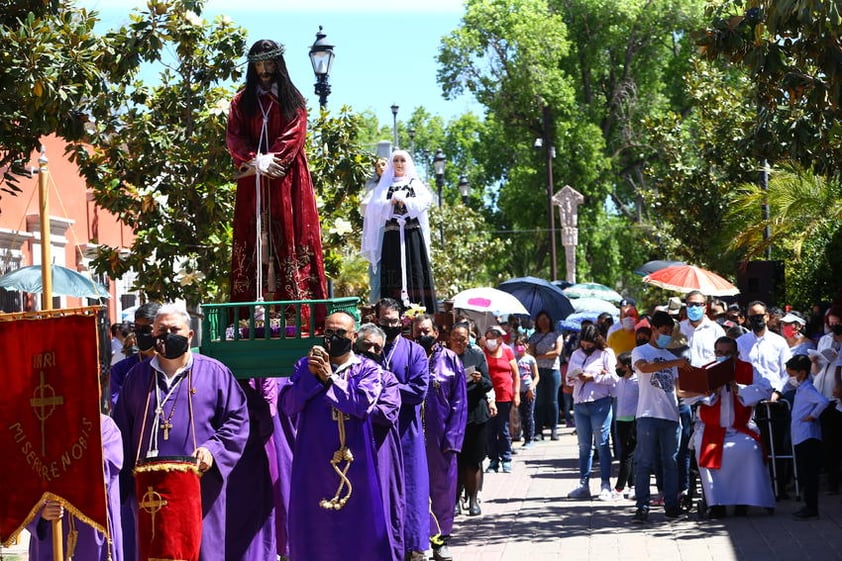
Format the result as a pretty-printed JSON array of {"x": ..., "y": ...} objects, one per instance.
[{"x": 684, "y": 278}]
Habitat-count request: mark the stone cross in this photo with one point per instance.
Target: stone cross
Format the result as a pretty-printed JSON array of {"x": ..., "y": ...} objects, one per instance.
[{"x": 568, "y": 201}]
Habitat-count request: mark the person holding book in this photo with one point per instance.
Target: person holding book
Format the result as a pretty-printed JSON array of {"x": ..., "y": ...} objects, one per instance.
[{"x": 728, "y": 447}]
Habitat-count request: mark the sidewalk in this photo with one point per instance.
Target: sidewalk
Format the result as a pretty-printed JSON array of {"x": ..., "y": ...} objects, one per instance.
[{"x": 527, "y": 516}]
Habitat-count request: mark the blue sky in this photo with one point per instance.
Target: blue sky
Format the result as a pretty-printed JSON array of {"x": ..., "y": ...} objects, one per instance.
[{"x": 385, "y": 50}]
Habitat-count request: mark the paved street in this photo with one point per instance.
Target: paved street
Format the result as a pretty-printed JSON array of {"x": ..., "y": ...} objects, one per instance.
[{"x": 527, "y": 516}]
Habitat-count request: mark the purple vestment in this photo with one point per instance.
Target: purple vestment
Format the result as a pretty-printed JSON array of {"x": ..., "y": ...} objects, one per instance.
[
  {"x": 91, "y": 544},
  {"x": 220, "y": 419},
  {"x": 250, "y": 531},
  {"x": 387, "y": 441},
  {"x": 408, "y": 361},
  {"x": 280, "y": 467},
  {"x": 445, "y": 416},
  {"x": 359, "y": 529}
]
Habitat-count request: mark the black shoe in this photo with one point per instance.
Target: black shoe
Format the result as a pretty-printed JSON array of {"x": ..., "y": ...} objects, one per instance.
[
  {"x": 717, "y": 511},
  {"x": 442, "y": 553},
  {"x": 741, "y": 510},
  {"x": 641, "y": 515},
  {"x": 673, "y": 512},
  {"x": 805, "y": 514}
]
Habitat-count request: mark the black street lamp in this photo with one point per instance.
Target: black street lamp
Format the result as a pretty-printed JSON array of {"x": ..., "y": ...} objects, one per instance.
[
  {"x": 395, "y": 124},
  {"x": 321, "y": 57},
  {"x": 438, "y": 166},
  {"x": 464, "y": 188},
  {"x": 411, "y": 132}
]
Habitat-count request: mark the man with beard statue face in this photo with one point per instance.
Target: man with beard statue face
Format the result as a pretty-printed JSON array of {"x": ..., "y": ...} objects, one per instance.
[
  {"x": 445, "y": 417},
  {"x": 408, "y": 361},
  {"x": 336, "y": 507},
  {"x": 181, "y": 403}
]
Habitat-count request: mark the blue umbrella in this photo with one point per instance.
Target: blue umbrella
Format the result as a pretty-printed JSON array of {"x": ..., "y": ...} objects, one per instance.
[
  {"x": 651, "y": 266},
  {"x": 595, "y": 305},
  {"x": 537, "y": 294},
  {"x": 66, "y": 282}
]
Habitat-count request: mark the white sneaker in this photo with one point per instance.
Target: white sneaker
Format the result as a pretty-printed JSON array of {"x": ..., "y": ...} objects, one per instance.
[
  {"x": 616, "y": 495},
  {"x": 606, "y": 495},
  {"x": 631, "y": 495},
  {"x": 580, "y": 492}
]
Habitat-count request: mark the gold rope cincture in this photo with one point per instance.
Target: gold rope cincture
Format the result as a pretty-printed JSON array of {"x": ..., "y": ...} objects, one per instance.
[
  {"x": 343, "y": 454},
  {"x": 72, "y": 539},
  {"x": 436, "y": 539}
]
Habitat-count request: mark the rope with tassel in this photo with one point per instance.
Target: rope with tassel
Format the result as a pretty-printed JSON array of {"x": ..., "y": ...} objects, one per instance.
[{"x": 343, "y": 454}]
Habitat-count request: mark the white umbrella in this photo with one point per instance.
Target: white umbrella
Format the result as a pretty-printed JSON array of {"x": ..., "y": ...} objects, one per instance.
[
  {"x": 594, "y": 305},
  {"x": 484, "y": 305}
]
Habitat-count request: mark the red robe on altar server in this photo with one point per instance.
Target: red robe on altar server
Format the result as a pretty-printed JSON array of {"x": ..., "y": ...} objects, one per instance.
[{"x": 293, "y": 267}]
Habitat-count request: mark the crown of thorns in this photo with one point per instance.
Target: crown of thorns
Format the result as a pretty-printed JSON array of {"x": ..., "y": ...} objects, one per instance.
[{"x": 267, "y": 55}]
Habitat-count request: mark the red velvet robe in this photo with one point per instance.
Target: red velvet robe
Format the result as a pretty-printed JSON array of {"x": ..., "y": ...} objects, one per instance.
[{"x": 295, "y": 268}]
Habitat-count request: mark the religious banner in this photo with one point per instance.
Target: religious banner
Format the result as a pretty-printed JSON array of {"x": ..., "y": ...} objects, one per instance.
[{"x": 49, "y": 419}]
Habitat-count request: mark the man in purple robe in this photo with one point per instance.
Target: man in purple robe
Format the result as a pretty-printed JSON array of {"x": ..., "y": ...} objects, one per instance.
[
  {"x": 253, "y": 494},
  {"x": 445, "y": 416},
  {"x": 90, "y": 543},
  {"x": 387, "y": 439},
  {"x": 144, "y": 317},
  {"x": 193, "y": 406},
  {"x": 336, "y": 507},
  {"x": 408, "y": 361}
]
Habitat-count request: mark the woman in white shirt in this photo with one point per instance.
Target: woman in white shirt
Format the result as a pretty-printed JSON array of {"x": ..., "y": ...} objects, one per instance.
[{"x": 592, "y": 373}]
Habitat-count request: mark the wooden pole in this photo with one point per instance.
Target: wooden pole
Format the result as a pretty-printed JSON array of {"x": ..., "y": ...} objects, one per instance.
[
  {"x": 58, "y": 540},
  {"x": 44, "y": 211}
]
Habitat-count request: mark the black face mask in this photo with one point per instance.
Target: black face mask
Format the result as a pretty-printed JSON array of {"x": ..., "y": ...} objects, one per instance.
[
  {"x": 378, "y": 358},
  {"x": 757, "y": 323},
  {"x": 391, "y": 331},
  {"x": 172, "y": 346},
  {"x": 620, "y": 372},
  {"x": 836, "y": 329},
  {"x": 337, "y": 346},
  {"x": 426, "y": 341},
  {"x": 640, "y": 342},
  {"x": 588, "y": 352},
  {"x": 145, "y": 341}
]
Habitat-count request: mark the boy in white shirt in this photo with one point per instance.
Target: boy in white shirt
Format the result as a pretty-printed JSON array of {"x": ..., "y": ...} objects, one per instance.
[{"x": 657, "y": 416}]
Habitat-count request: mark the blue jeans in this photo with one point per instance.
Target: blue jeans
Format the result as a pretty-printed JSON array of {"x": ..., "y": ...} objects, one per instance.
[
  {"x": 526, "y": 409},
  {"x": 546, "y": 400},
  {"x": 499, "y": 439},
  {"x": 593, "y": 423},
  {"x": 656, "y": 439}
]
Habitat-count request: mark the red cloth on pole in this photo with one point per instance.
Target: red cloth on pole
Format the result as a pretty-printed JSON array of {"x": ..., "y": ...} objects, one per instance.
[{"x": 49, "y": 421}]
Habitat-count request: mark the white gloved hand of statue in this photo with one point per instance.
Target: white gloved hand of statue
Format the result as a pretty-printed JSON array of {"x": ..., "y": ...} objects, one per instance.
[{"x": 270, "y": 165}]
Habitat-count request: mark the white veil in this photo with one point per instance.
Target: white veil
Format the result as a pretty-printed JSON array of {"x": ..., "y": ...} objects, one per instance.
[{"x": 379, "y": 208}]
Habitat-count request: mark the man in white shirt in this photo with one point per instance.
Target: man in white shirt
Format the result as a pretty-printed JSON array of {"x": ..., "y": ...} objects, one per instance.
[
  {"x": 700, "y": 331},
  {"x": 766, "y": 351},
  {"x": 657, "y": 416}
]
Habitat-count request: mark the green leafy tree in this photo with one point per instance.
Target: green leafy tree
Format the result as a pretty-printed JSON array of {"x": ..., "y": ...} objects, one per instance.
[
  {"x": 805, "y": 211},
  {"x": 53, "y": 68},
  {"x": 160, "y": 164},
  {"x": 790, "y": 50}
]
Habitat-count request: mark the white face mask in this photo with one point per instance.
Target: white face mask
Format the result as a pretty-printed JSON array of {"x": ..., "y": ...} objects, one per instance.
[
  {"x": 491, "y": 344},
  {"x": 793, "y": 381},
  {"x": 628, "y": 323}
]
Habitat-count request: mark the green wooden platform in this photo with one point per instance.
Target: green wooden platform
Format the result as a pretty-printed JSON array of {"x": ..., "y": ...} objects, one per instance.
[{"x": 252, "y": 351}]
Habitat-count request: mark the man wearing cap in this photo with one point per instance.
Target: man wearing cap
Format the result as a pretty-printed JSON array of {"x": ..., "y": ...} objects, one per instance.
[
  {"x": 626, "y": 304},
  {"x": 700, "y": 331}
]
